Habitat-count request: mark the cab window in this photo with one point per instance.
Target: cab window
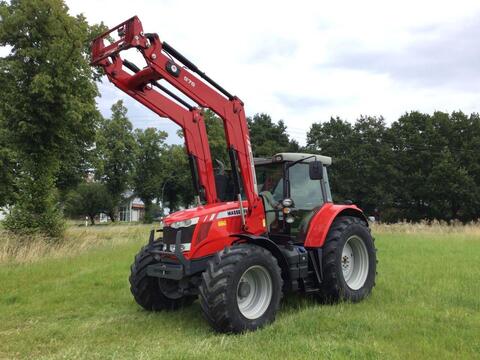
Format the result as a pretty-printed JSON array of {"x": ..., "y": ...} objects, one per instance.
[
  {"x": 270, "y": 188},
  {"x": 270, "y": 179},
  {"x": 305, "y": 193}
]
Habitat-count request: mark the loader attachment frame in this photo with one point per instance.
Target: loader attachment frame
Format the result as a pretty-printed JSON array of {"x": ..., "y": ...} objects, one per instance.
[{"x": 166, "y": 63}]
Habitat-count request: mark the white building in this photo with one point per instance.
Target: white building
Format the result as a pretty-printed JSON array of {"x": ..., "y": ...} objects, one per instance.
[
  {"x": 3, "y": 213},
  {"x": 132, "y": 208}
]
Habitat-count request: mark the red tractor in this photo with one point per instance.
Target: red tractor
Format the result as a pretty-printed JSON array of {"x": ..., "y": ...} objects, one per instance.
[{"x": 264, "y": 228}]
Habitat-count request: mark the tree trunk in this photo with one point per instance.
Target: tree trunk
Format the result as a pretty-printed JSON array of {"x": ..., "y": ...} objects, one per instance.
[
  {"x": 111, "y": 215},
  {"x": 455, "y": 209},
  {"x": 148, "y": 217},
  {"x": 92, "y": 219}
]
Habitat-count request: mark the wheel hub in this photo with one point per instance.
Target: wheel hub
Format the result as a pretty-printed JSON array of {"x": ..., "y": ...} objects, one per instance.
[
  {"x": 244, "y": 289},
  {"x": 347, "y": 261},
  {"x": 170, "y": 288}
]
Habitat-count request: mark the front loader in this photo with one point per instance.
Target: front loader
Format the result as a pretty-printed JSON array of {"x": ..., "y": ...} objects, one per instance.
[{"x": 266, "y": 227}]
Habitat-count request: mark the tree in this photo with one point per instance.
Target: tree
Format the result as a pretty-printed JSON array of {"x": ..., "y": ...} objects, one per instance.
[
  {"x": 8, "y": 170},
  {"x": 180, "y": 172},
  {"x": 78, "y": 161},
  {"x": 437, "y": 157},
  {"x": 48, "y": 100},
  {"x": 451, "y": 186},
  {"x": 216, "y": 137},
  {"x": 412, "y": 135},
  {"x": 89, "y": 199},
  {"x": 268, "y": 138},
  {"x": 464, "y": 146},
  {"x": 372, "y": 165},
  {"x": 177, "y": 186},
  {"x": 116, "y": 150},
  {"x": 335, "y": 138},
  {"x": 422, "y": 167},
  {"x": 362, "y": 158},
  {"x": 149, "y": 167}
]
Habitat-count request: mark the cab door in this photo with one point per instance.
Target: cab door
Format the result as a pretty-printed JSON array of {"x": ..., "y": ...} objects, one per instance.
[
  {"x": 270, "y": 182},
  {"x": 308, "y": 197}
]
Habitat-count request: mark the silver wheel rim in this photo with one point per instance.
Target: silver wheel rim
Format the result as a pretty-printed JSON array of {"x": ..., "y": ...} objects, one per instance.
[
  {"x": 355, "y": 262},
  {"x": 254, "y": 292}
]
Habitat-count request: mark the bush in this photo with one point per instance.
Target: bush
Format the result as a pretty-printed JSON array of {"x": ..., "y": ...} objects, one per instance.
[
  {"x": 89, "y": 199},
  {"x": 22, "y": 221}
]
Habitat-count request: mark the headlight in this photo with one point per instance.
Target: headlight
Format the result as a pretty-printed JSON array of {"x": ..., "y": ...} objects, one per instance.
[
  {"x": 287, "y": 202},
  {"x": 184, "y": 223},
  {"x": 183, "y": 247}
]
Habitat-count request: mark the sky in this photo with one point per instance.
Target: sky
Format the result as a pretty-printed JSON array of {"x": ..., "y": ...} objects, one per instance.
[{"x": 306, "y": 61}]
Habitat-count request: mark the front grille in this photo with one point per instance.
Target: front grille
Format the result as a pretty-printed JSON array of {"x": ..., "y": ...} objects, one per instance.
[{"x": 170, "y": 234}]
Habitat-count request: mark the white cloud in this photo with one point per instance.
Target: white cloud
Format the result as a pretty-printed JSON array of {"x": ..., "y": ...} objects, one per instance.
[{"x": 280, "y": 57}]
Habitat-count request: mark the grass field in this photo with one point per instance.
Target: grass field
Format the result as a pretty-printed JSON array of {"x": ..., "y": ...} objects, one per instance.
[{"x": 73, "y": 301}]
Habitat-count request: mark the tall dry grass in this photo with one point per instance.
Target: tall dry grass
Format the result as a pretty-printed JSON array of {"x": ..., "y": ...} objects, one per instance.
[
  {"x": 78, "y": 239},
  {"x": 428, "y": 227}
]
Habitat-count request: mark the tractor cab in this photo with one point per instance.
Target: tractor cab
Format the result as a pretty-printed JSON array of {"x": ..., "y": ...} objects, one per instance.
[{"x": 293, "y": 187}]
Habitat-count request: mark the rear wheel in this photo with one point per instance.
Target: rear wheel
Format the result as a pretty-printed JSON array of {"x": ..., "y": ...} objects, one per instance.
[
  {"x": 153, "y": 293},
  {"x": 241, "y": 289},
  {"x": 349, "y": 261}
]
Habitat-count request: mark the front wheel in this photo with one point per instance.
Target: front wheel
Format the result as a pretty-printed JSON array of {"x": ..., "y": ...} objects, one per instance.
[
  {"x": 153, "y": 293},
  {"x": 349, "y": 261},
  {"x": 241, "y": 289}
]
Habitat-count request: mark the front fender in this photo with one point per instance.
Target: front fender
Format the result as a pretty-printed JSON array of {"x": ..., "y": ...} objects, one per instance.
[
  {"x": 323, "y": 219},
  {"x": 267, "y": 244}
]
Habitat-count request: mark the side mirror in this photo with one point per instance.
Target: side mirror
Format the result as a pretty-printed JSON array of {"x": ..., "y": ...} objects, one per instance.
[{"x": 315, "y": 169}]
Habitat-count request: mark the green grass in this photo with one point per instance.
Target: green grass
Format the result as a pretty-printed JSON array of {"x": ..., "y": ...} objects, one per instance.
[{"x": 426, "y": 305}]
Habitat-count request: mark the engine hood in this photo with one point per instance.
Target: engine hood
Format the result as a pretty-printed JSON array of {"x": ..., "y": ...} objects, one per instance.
[{"x": 202, "y": 211}]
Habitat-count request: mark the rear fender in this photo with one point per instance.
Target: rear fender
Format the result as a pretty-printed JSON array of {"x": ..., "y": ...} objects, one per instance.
[{"x": 323, "y": 219}]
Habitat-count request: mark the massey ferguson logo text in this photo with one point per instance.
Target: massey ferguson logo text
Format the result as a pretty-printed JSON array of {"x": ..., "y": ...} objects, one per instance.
[
  {"x": 234, "y": 212},
  {"x": 188, "y": 81},
  {"x": 230, "y": 213}
]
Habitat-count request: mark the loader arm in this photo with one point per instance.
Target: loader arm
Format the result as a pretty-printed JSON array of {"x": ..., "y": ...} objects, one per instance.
[
  {"x": 164, "y": 62},
  {"x": 144, "y": 88}
]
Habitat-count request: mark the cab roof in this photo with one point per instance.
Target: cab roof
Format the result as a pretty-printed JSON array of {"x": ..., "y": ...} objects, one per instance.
[{"x": 291, "y": 157}]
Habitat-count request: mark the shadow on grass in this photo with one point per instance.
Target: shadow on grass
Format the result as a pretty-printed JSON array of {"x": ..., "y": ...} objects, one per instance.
[
  {"x": 186, "y": 320},
  {"x": 292, "y": 302},
  {"x": 190, "y": 320}
]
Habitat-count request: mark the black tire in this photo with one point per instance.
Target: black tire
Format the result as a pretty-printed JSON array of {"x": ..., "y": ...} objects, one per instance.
[
  {"x": 334, "y": 288},
  {"x": 147, "y": 291},
  {"x": 220, "y": 283}
]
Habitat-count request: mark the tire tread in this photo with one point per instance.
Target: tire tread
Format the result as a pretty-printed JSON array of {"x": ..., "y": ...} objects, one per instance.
[
  {"x": 330, "y": 289},
  {"x": 145, "y": 289},
  {"x": 213, "y": 299}
]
